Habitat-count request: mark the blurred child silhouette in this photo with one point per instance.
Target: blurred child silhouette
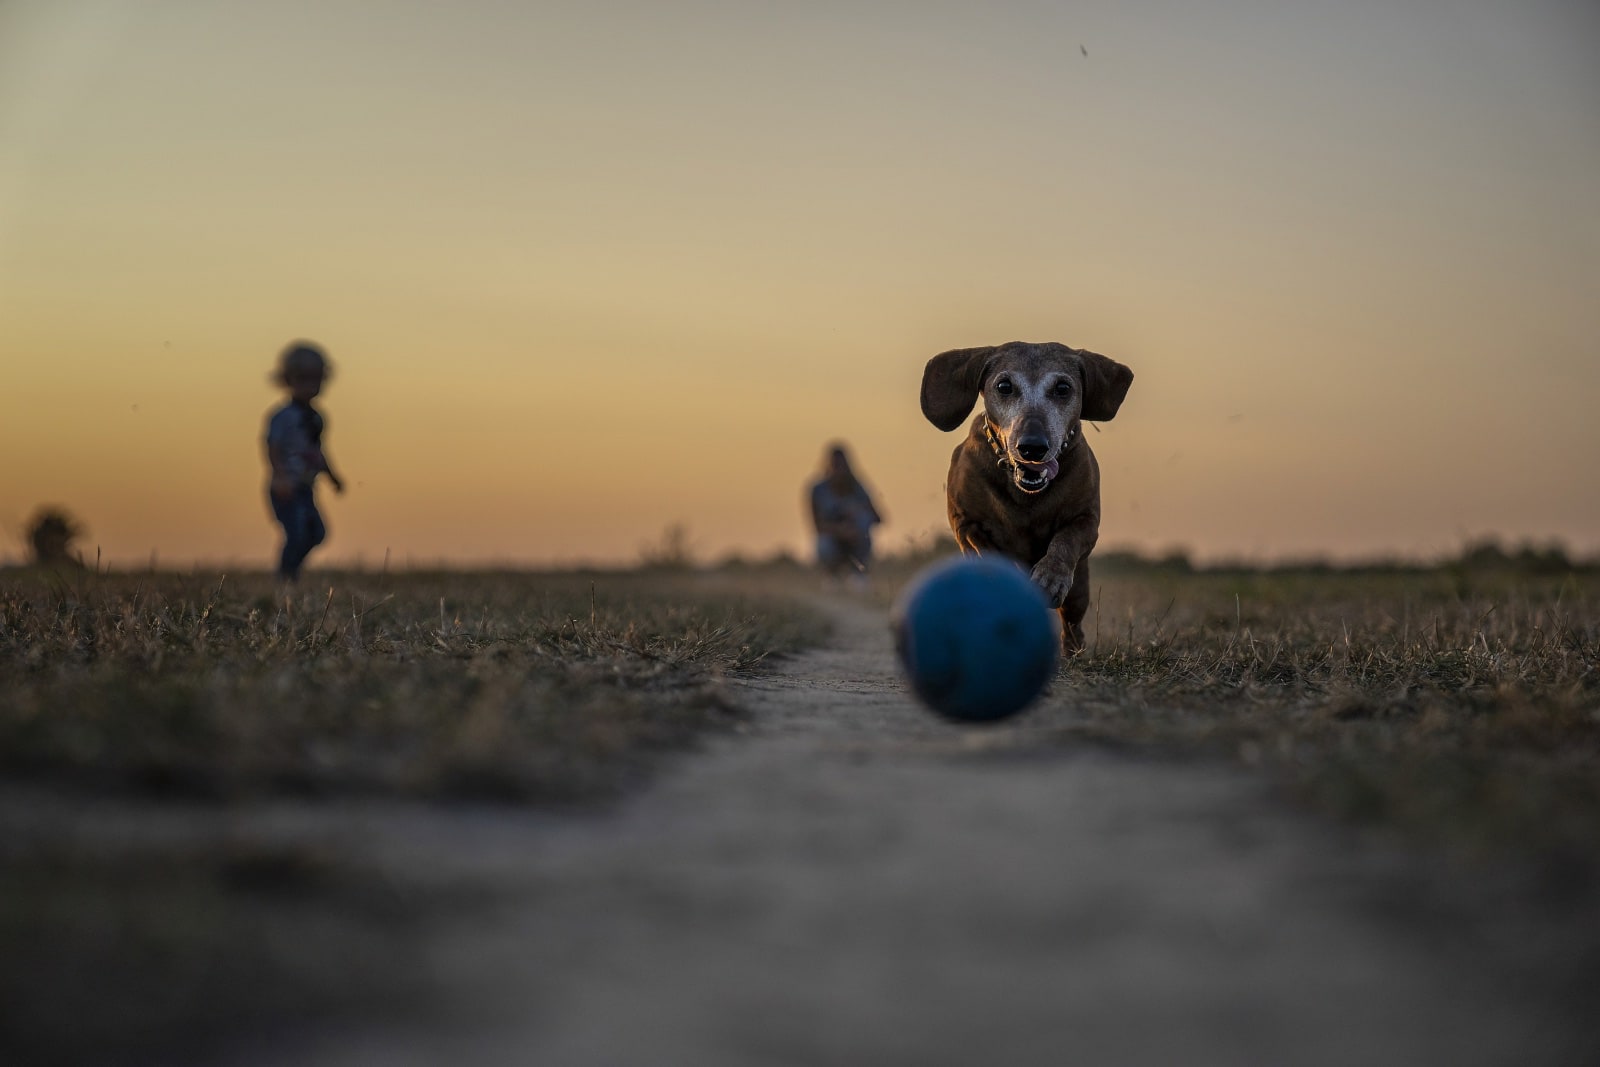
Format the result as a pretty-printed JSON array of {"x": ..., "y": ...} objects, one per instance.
[
  {"x": 296, "y": 456},
  {"x": 843, "y": 514}
]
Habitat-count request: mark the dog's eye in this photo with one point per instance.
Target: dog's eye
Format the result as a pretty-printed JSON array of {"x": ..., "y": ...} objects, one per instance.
[
  {"x": 1004, "y": 387},
  {"x": 1063, "y": 388}
]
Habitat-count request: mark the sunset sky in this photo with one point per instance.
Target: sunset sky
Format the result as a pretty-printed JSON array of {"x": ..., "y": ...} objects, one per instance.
[{"x": 589, "y": 269}]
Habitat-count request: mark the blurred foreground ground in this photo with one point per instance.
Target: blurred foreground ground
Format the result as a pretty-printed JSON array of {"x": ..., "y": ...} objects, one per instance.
[{"x": 1275, "y": 838}]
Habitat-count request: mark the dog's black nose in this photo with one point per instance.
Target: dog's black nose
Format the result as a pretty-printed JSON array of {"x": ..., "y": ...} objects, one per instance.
[{"x": 1034, "y": 449}]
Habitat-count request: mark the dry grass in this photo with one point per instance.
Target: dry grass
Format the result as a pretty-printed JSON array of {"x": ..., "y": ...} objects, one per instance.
[
  {"x": 1462, "y": 707},
  {"x": 483, "y": 685},
  {"x": 140, "y": 716},
  {"x": 1457, "y": 706}
]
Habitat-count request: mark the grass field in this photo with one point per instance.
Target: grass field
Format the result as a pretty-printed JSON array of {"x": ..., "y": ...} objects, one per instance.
[
  {"x": 140, "y": 715},
  {"x": 1457, "y": 707},
  {"x": 1457, "y": 704},
  {"x": 1461, "y": 707},
  {"x": 516, "y": 687}
]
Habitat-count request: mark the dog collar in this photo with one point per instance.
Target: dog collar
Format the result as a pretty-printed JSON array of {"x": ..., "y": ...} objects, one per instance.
[{"x": 1003, "y": 460}]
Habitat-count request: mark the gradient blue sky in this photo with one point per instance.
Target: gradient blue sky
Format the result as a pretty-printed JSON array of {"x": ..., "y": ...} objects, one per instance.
[{"x": 591, "y": 269}]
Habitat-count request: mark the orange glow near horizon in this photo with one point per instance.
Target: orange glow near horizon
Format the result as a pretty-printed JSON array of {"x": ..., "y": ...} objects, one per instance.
[{"x": 585, "y": 275}]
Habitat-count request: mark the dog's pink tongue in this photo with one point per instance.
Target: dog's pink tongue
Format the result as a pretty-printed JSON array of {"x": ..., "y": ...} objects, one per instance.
[{"x": 1049, "y": 468}]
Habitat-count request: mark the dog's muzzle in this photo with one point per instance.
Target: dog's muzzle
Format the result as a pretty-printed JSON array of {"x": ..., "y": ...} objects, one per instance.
[
  {"x": 1034, "y": 477},
  {"x": 1029, "y": 477}
]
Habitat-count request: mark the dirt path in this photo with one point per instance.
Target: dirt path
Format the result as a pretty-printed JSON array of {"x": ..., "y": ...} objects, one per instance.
[{"x": 854, "y": 882}]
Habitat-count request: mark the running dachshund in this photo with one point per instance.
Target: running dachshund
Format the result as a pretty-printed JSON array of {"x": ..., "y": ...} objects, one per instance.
[{"x": 1024, "y": 482}]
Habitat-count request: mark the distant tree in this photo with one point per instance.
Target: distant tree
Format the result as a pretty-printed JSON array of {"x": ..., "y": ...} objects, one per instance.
[
  {"x": 50, "y": 537},
  {"x": 1551, "y": 558},
  {"x": 1133, "y": 561},
  {"x": 1526, "y": 558},
  {"x": 1175, "y": 560},
  {"x": 672, "y": 552},
  {"x": 1483, "y": 555}
]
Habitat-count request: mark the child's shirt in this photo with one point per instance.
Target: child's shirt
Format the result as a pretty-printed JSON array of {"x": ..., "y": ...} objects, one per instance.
[{"x": 294, "y": 431}]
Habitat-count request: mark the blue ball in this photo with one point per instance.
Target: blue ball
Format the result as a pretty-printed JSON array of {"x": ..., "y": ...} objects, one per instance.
[{"x": 977, "y": 638}]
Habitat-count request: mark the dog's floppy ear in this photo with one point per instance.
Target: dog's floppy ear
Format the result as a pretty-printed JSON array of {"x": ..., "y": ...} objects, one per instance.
[
  {"x": 1105, "y": 383},
  {"x": 951, "y": 383}
]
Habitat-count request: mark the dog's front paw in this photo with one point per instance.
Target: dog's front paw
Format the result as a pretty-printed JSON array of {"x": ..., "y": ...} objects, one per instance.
[{"x": 1055, "y": 582}]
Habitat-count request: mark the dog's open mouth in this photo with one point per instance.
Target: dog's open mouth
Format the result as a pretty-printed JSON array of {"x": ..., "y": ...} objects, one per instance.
[{"x": 1034, "y": 477}]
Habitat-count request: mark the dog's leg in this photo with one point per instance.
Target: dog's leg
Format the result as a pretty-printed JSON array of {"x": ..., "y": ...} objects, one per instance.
[
  {"x": 1057, "y": 572},
  {"x": 972, "y": 539},
  {"x": 1073, "y": 609}
]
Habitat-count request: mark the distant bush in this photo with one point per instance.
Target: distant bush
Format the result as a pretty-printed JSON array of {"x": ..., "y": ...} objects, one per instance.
[
  {"x": 1176, "y": 561},
  {"x": 1527, "y": 558},
  {"x": 1483, "y": 556},
  {"x": 673, "y": 552},
  {"x": 50, "y": 538},
  {"x": 777, "y": 559}
]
